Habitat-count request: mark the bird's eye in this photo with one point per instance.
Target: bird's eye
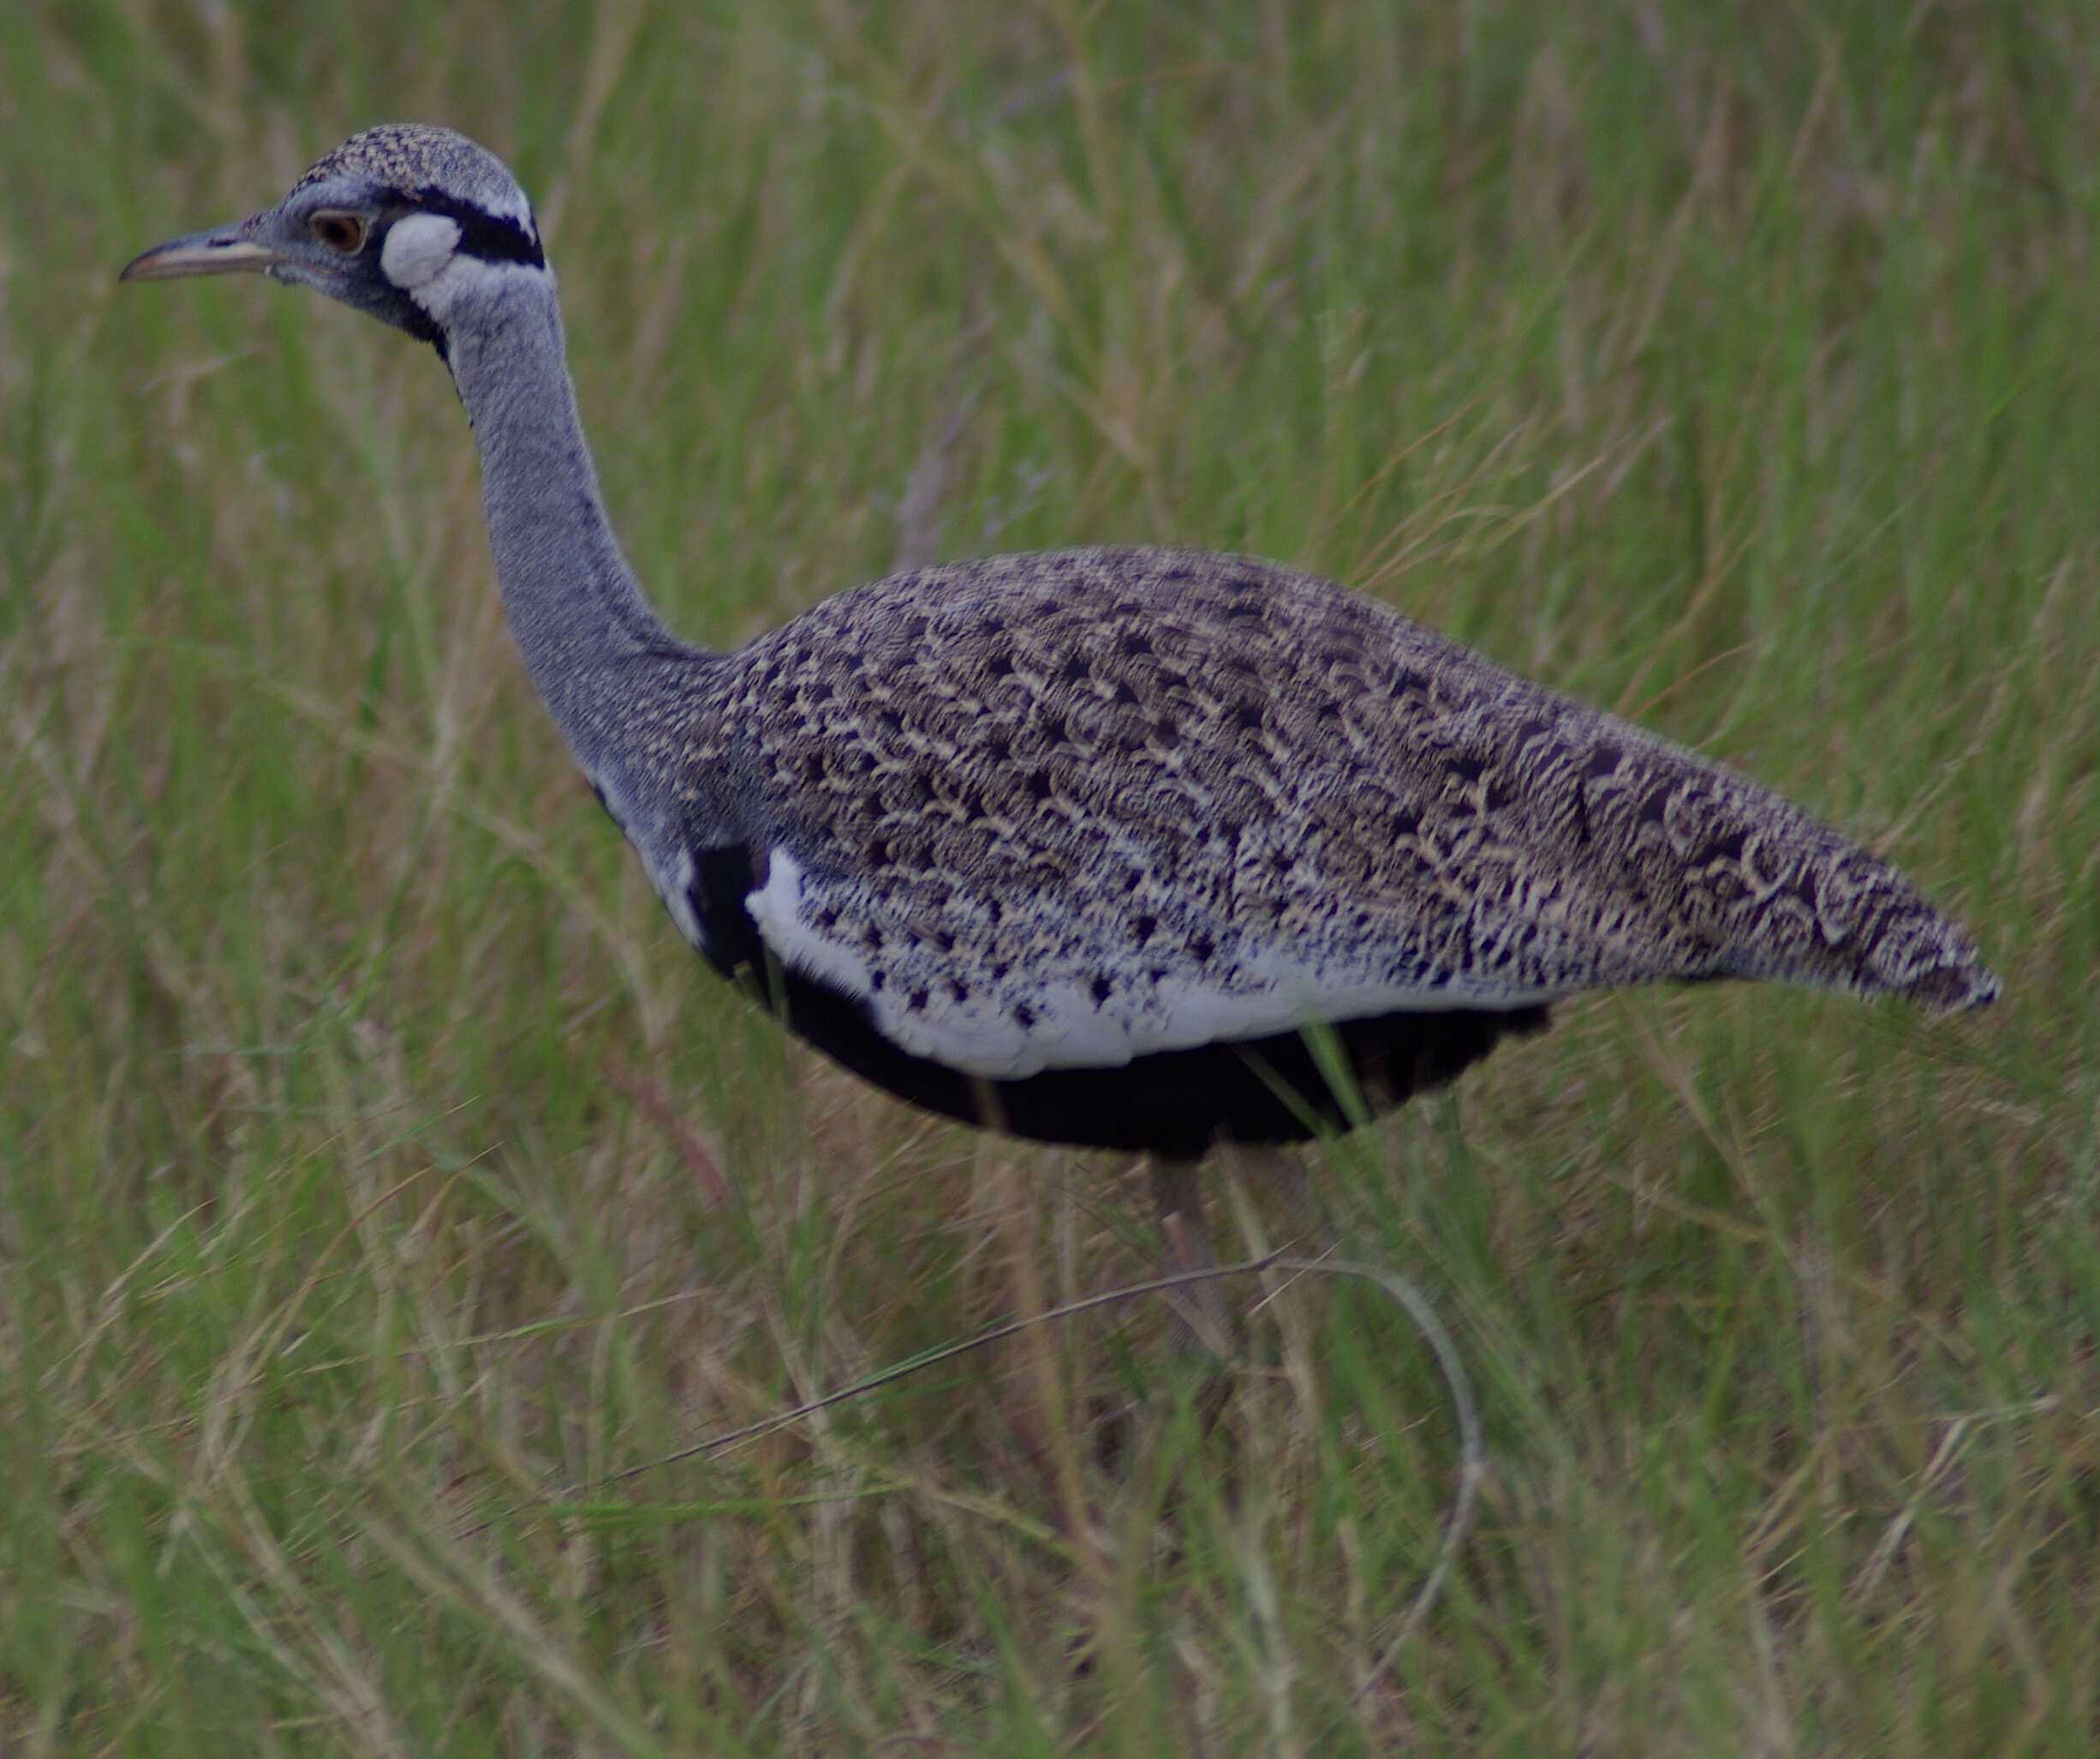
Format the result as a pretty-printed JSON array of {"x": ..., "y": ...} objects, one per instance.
[{"x": 344, "y": 233}]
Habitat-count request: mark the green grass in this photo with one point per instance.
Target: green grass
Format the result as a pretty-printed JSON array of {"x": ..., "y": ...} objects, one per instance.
[{"x": 361, "y": 1116}]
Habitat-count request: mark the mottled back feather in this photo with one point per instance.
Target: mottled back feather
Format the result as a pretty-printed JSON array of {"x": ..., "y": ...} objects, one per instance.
[{"x": 1062, "y": 810}]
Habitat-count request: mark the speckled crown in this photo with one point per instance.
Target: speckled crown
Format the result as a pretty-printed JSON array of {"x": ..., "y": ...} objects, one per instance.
[{"x": 416, "y": 158}]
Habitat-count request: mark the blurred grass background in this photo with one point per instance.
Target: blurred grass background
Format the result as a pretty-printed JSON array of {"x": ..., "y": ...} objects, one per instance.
[{"x": 376, "y": 1168}]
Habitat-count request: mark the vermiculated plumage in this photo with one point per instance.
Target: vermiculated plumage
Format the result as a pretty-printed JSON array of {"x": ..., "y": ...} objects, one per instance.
[{"x": 1080, "y": 844}]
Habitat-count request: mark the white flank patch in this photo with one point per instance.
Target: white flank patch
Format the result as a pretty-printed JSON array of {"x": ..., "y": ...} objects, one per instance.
[
  {"x": 1072, "y": 1031},
  {"x": 418, "y": 249},
  {"x": 777, "y": 908},
  {"x": 1068, "y": 1028}
]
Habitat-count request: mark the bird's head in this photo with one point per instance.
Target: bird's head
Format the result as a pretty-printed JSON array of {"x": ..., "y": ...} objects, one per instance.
[{"x": 406, "y": 223}]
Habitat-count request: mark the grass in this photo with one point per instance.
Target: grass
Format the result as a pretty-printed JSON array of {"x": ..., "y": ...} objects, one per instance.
[{"x": 379, "y": 1176}]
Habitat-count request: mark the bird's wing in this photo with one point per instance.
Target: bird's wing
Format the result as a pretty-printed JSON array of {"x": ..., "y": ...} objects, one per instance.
[{"x": 1065, "y": 810}]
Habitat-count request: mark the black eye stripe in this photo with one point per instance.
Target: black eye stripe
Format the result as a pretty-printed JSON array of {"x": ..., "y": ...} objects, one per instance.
[{"x": 493, "y": 238}]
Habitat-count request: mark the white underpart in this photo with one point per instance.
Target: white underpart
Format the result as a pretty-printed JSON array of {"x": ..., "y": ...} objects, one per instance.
[
  {"x": 421, "y": 258},
  {"x": 667, "y": 863},
  {"x": 674, "y": 885},
  {"x": 1273, "y": 992}
]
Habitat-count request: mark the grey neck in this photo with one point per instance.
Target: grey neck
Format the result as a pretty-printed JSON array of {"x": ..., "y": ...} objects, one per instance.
[{"x": 573, "y": 603}]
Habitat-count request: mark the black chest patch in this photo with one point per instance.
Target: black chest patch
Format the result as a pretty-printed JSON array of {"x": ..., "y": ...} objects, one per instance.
[{"x": 722, "y": 879}]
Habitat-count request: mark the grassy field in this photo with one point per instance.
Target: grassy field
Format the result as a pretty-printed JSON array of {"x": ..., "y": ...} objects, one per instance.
[{"x": 381, "y": 1179}]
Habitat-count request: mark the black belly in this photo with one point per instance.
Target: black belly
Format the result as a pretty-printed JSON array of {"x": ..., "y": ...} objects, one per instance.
[{"x": 1174, "y": 1103}]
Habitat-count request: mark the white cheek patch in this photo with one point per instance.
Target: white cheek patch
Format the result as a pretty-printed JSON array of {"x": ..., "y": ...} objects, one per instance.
[
  {"x": 418, "y": 249},
  {"x": 441, "y": 279}
]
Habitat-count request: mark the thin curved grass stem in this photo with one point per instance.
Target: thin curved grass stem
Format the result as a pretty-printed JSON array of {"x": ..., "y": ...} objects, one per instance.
[{"x": 1472, "y": 1451}]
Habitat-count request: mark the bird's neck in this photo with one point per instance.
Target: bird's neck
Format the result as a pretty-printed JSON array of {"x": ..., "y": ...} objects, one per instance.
[{"x": 574, "y": 607}]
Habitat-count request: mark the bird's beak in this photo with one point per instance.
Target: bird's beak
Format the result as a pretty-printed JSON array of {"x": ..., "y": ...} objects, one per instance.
[{"x": 227, "y": 250}]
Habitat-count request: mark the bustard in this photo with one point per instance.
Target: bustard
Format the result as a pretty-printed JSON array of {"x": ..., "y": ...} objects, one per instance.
[{"x": 1111, "y": 847}]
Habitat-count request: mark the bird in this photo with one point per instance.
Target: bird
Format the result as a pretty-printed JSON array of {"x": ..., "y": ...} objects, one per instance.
[{"x": 1133, "y": 849}]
